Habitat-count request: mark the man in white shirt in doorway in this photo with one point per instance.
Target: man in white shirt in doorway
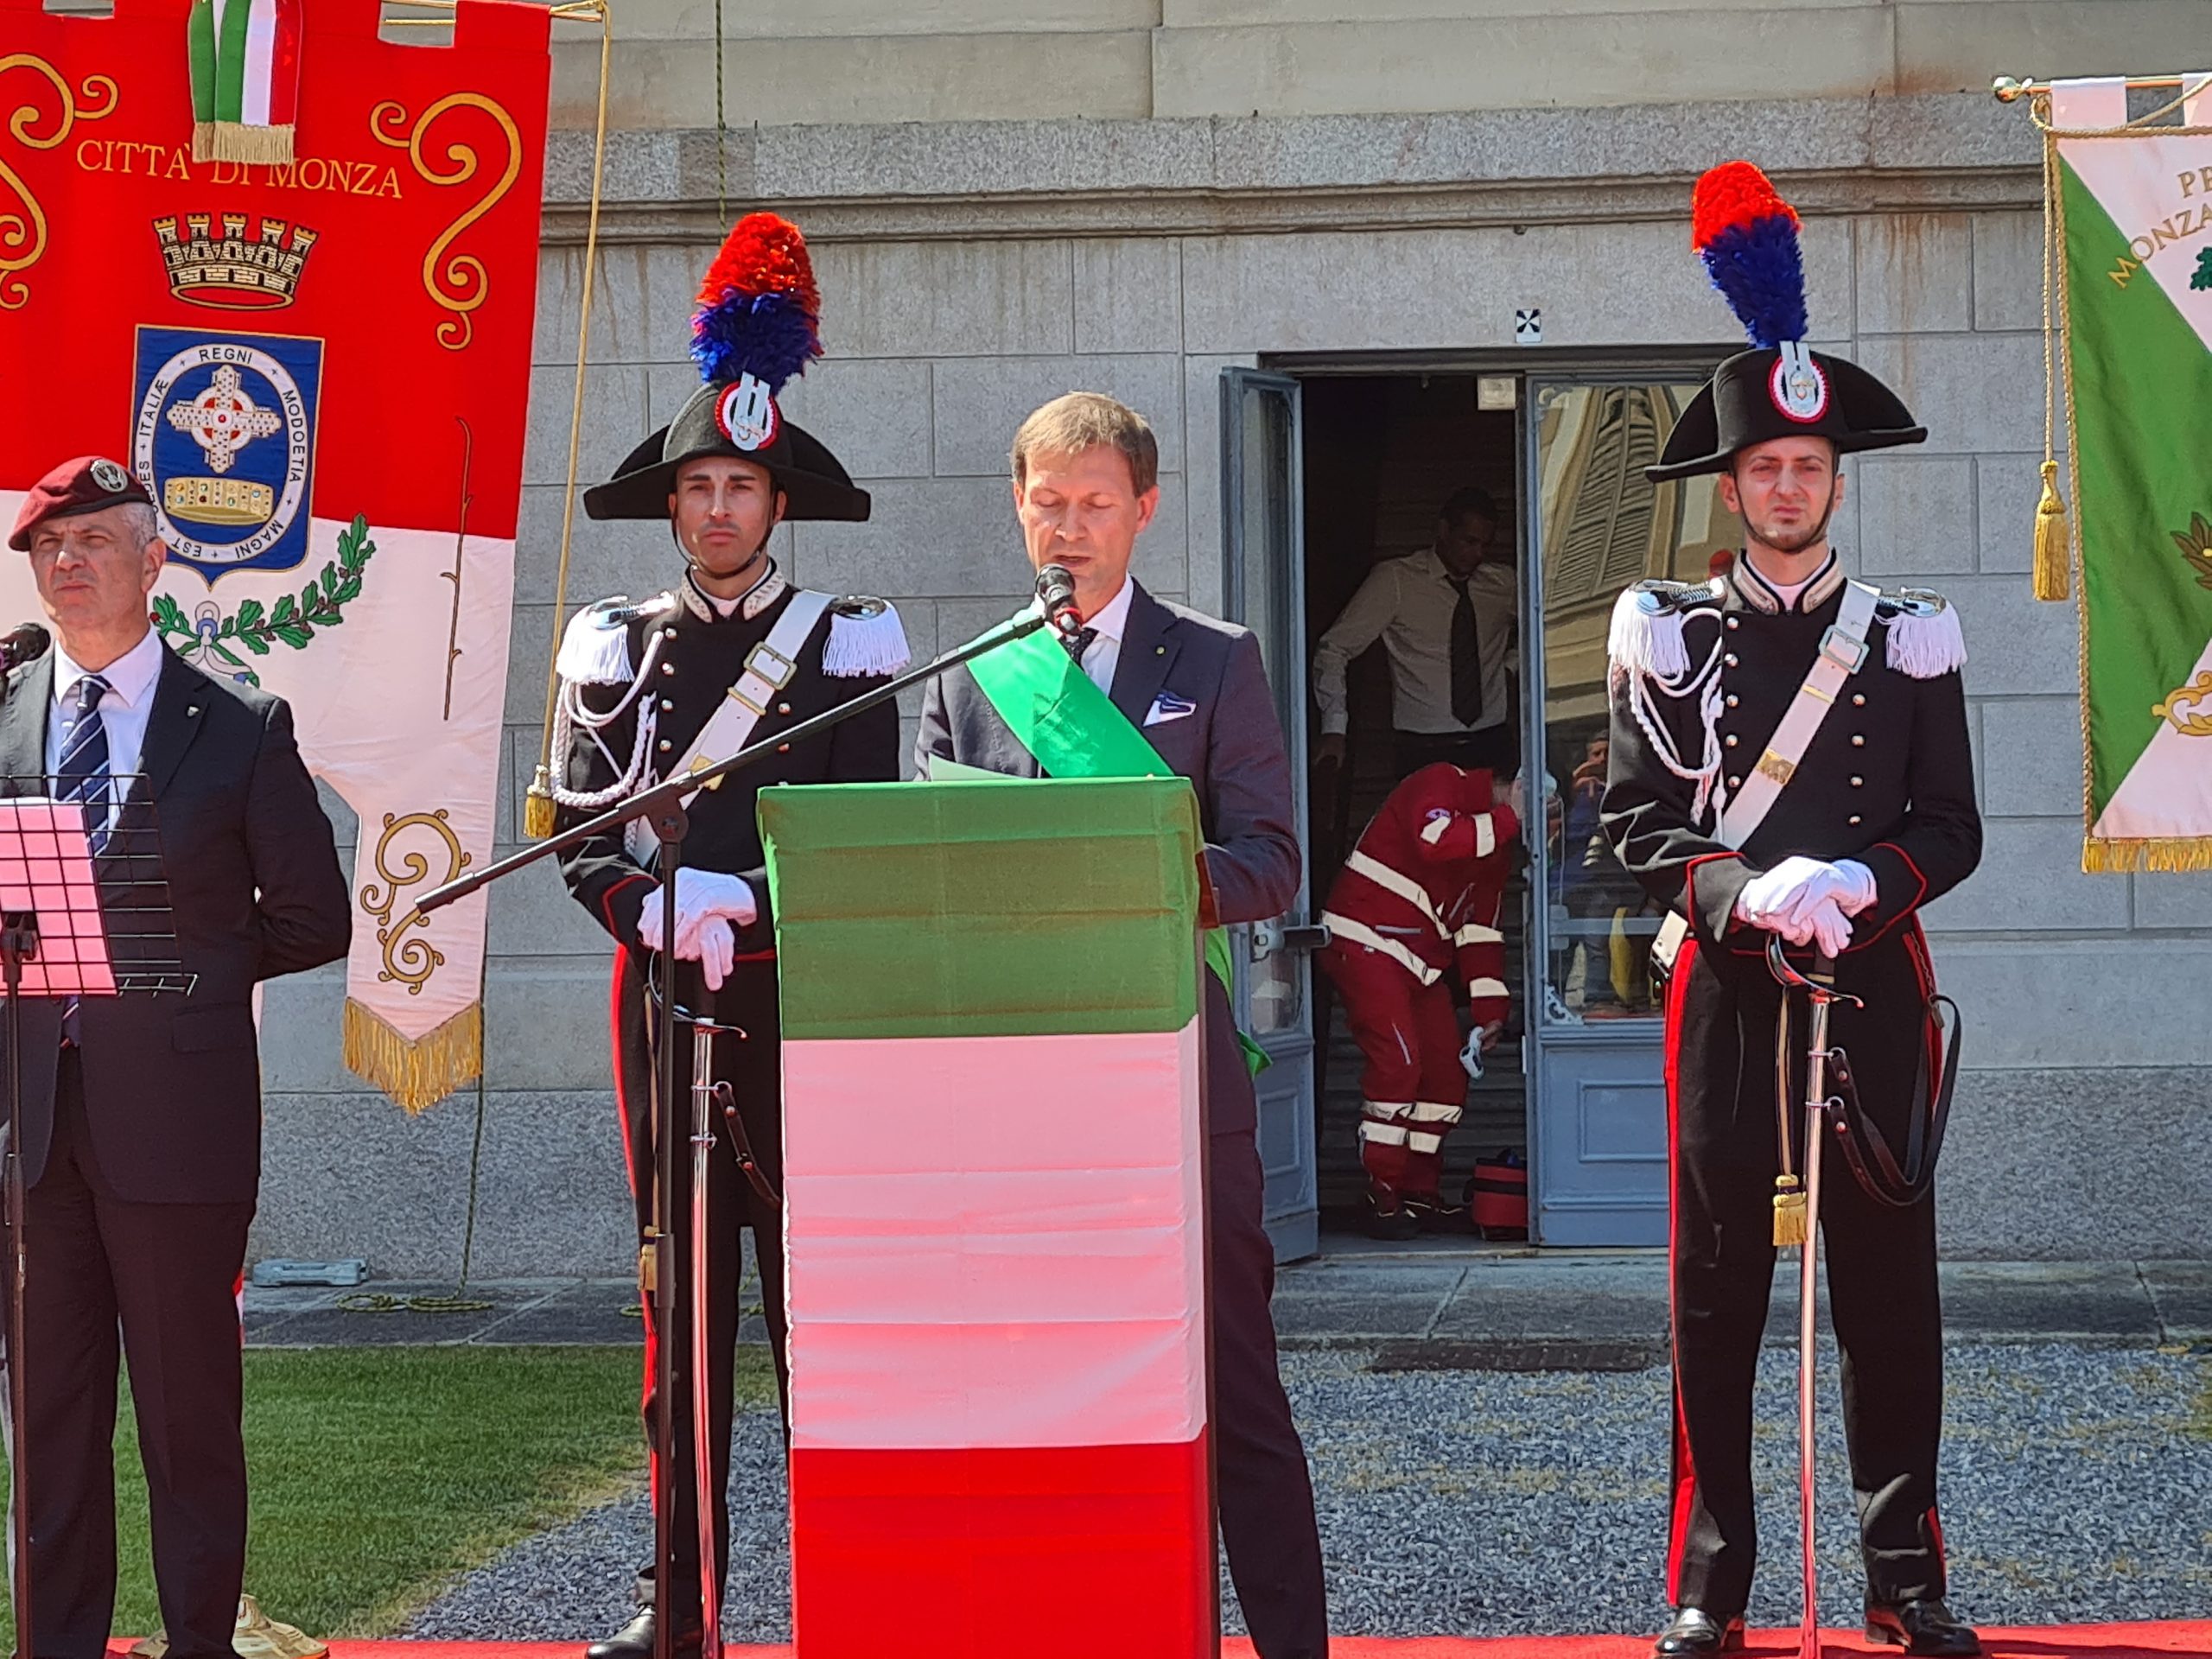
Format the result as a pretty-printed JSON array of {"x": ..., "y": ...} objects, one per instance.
[{"x": 1448, "y": 616}]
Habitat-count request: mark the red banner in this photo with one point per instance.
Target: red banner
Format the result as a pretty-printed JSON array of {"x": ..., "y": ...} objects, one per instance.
[{"x": 320, "y": 370}]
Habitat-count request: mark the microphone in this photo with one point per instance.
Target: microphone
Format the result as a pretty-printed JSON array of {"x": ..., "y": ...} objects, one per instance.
[
  {"x": 1056, "y": 593},
  {"x": 26, "y": 642}
]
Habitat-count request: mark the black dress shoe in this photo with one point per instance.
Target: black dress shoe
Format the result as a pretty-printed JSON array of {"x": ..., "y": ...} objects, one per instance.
[
  {"x": 1696, "y": 1631},
  {"x": 635, "y": 1641},
  {"x": 1389, "y": 1218},
  {"x": 1921, "y": 1627}
]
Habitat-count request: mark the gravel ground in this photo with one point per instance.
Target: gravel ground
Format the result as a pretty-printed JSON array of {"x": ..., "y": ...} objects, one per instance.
[{"x": 1492, "y": 1504}]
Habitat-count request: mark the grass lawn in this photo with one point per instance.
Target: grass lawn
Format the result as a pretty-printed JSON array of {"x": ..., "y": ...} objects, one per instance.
[{"x": 379, "y": 1474}]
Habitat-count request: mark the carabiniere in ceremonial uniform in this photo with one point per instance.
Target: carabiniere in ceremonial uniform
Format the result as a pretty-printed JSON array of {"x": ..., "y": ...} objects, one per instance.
[
  {"x": 1753, "y": 726},
  {"x": 659, "y": 687}
]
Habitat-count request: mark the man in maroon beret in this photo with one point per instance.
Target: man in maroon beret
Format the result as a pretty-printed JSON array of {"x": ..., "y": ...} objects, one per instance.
[{"x": 143, "y": 1175}]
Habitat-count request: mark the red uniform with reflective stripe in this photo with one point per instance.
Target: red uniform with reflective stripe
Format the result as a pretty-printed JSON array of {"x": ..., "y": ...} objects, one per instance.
[{"x": 1415, "y": 909}]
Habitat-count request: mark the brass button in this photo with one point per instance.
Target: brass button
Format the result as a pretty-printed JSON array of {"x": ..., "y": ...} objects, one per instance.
[
  {"x": 783, "y": 707},
  {"x": 668, "y": 633},
  {"x": 1859, "y": 783},
  {"x": 1857, "y": 740},
  {"x": 1735, "y": 783},
  {"x": 1854, "y": 818},
  {"x": 1730, "y": 659},
  {"x": 665, "y": 746},
  {"x": 783, "y": 748},
  {"x": 1732, "y": 699},
  {"x": 1859, "y": 700},
  {"x": 667, "y": 668},
  {"x": 1730, "y": 740},
  {"x": 1735, "y": 622},
  {"x": 666, "y": 703}
]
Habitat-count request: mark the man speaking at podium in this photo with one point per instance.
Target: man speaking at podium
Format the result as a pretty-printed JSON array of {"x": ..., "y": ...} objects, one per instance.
[
  {"x": 1085, "y": 485},
  {"x": 141, "y": 1113}
]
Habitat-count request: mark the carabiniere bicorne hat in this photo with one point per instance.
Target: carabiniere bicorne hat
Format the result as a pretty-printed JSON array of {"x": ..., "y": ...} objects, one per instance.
[
  {"x": 1747, "y": 236},
  {"x": 757, "y": 325}
]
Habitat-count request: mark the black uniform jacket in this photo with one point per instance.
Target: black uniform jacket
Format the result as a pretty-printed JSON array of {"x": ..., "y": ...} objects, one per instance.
[
  {"x": 700, "y": 659},
  {"x": 1888, "y": 780}
]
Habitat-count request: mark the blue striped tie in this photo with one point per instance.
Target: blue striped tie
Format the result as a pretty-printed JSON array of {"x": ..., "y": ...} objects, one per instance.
[{"x": 81, "y": 774}]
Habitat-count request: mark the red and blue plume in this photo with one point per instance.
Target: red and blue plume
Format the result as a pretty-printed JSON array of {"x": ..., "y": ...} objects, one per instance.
[
  {"x": 1747, "y": 236},
  {"x": 759, "y": 312}
]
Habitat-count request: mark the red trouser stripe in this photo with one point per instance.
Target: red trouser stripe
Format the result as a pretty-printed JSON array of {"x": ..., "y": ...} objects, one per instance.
[
  {"x": 1685, "y": 1470},
  {"x": 972, "y": 1554}
]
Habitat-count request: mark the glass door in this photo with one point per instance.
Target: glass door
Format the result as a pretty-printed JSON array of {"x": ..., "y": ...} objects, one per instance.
[
  {"x": 1262, "y": 588},
  {"x": 1597, "y": 1054}
]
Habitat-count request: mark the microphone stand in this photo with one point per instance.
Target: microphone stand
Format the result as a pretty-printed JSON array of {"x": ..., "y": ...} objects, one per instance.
[
  {"x": 662, "y": 806},
  {"x": 18, "y": 945}
]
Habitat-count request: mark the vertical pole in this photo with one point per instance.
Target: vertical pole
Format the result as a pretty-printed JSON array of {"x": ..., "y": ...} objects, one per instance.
[
  {"x": 669, "y": 825},
  {"x": 17, "y": 941}
]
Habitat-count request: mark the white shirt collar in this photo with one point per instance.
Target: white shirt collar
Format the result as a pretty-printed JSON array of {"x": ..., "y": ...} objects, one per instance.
[
  {"x": 130, "y": 677},
  {"x": 1112, "y": 618}
]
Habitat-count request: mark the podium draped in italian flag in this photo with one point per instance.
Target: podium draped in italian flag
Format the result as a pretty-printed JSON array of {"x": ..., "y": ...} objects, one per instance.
[{"x": 994, "y": 1219}]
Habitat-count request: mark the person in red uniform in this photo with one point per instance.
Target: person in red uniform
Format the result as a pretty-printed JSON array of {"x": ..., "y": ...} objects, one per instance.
[{"x": 1413, "y": 914}]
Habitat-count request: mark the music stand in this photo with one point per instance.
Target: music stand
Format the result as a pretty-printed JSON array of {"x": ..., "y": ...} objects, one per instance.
[{"x": 74, "y": 924}]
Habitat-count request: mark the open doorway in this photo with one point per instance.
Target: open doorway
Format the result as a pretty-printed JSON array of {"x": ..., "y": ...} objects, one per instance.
[{"x": 1383, "y": 455}]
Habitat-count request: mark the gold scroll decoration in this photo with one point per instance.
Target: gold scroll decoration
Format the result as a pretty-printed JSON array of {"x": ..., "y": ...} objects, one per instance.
[
  {"x": 417, "y": 1071},
  {"x": 459, "y": 283},
  {"x": 23, "y": 234}
]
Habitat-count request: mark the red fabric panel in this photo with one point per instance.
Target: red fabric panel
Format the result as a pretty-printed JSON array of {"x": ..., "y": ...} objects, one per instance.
[
  {"x": 1085, "y": 1552},
  {"x": 1685, "y": 1471}
]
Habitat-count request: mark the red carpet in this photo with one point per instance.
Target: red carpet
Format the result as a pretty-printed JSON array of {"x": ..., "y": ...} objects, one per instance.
[{"x": 2189, "y": 1640}]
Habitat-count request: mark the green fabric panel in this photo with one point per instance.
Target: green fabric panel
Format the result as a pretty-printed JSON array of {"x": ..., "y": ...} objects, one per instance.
[
  {"x": 1074, "y": 730},
  {"x": 200, "y": 43},
  {"x": 2142, "y": 413},
  {"x": 984, "y": 909},
  {"x": 230, "y": 62}
]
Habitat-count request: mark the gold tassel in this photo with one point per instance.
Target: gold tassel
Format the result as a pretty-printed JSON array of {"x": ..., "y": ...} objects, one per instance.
[
  {"x": 416, "y": 1071},
  {"x": 537, "y": 808},
  {"x": 2052, "y": 578},
  {"x": 2184, "y": 854},
  {"x": 259, "y": 146},
  {"x": 1789, "y": 1211}
]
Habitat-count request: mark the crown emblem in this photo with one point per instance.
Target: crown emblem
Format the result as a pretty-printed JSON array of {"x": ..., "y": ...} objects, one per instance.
[{"x": 213, "y": 262}]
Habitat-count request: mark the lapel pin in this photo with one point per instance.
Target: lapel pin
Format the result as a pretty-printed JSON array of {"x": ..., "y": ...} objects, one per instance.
[{"x": 1159, "y": 651}]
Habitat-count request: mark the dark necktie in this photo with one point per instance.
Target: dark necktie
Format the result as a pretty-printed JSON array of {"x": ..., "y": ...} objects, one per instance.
[
  {"x": 82, "y": 774},
  {"x": 1466, "y": 661},
  {"x": 1078, "y": 643}
]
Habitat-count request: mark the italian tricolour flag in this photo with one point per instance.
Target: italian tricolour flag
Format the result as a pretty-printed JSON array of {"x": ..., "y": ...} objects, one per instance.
[
  {"x": 994, "y": 1221},
  {"x": 2136, "y": 217},
  {"x": 245, "y": 79}
]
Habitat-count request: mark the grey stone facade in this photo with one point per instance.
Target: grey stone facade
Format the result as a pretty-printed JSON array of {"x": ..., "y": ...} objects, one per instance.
[{"x": 970, "y": 269}]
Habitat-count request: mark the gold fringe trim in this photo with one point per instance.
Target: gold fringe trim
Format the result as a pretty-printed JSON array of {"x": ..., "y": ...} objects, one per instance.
[
  {"x": 420, "y": 1072},
  {"x": 203, "y": 141},
  {"x": 2184, "y": 854},
  {"x": 2052, "y": 578},
  {"x": 263, "y": 146}
]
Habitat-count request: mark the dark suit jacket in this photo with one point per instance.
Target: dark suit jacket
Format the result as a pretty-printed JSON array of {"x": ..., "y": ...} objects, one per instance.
[
  {"x": 248, "y": 869},
  {"x": 1230, "y": 746}
]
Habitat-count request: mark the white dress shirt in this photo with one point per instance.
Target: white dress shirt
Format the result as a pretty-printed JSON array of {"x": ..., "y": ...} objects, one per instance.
[
  {"x": 1407, "y": 603},
  {"x": 128, "y": 701},
  {"x": 1100, "y": 657}
]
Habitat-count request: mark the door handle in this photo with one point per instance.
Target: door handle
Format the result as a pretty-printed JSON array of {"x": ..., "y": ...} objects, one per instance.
[{"x": 1268, "y": 938}]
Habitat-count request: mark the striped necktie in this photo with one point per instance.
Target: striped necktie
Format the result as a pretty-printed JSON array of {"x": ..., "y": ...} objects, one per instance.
[{"x": 82, "y": 774}]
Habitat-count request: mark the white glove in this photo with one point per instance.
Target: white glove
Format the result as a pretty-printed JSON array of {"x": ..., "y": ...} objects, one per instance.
[
  {"x": 1846, "y": 883},
  {"x": 714, "y": 948},
  {"x": 1769, "y": 898},
  {"x": 1826, "y": 926},
  {"x": 702, "y": 896},
  {"x": 1470, "y": 1055}
]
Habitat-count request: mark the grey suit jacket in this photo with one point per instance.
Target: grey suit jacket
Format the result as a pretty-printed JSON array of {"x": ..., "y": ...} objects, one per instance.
[
  {"x": 241, "y": 869},
  {"x": 1230, "y": 746}
]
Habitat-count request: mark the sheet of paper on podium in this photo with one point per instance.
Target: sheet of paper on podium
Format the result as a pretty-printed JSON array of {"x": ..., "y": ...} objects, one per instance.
[
  {"x": 46, "y": 868},
  {"x": 995, "y": 1220}
]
